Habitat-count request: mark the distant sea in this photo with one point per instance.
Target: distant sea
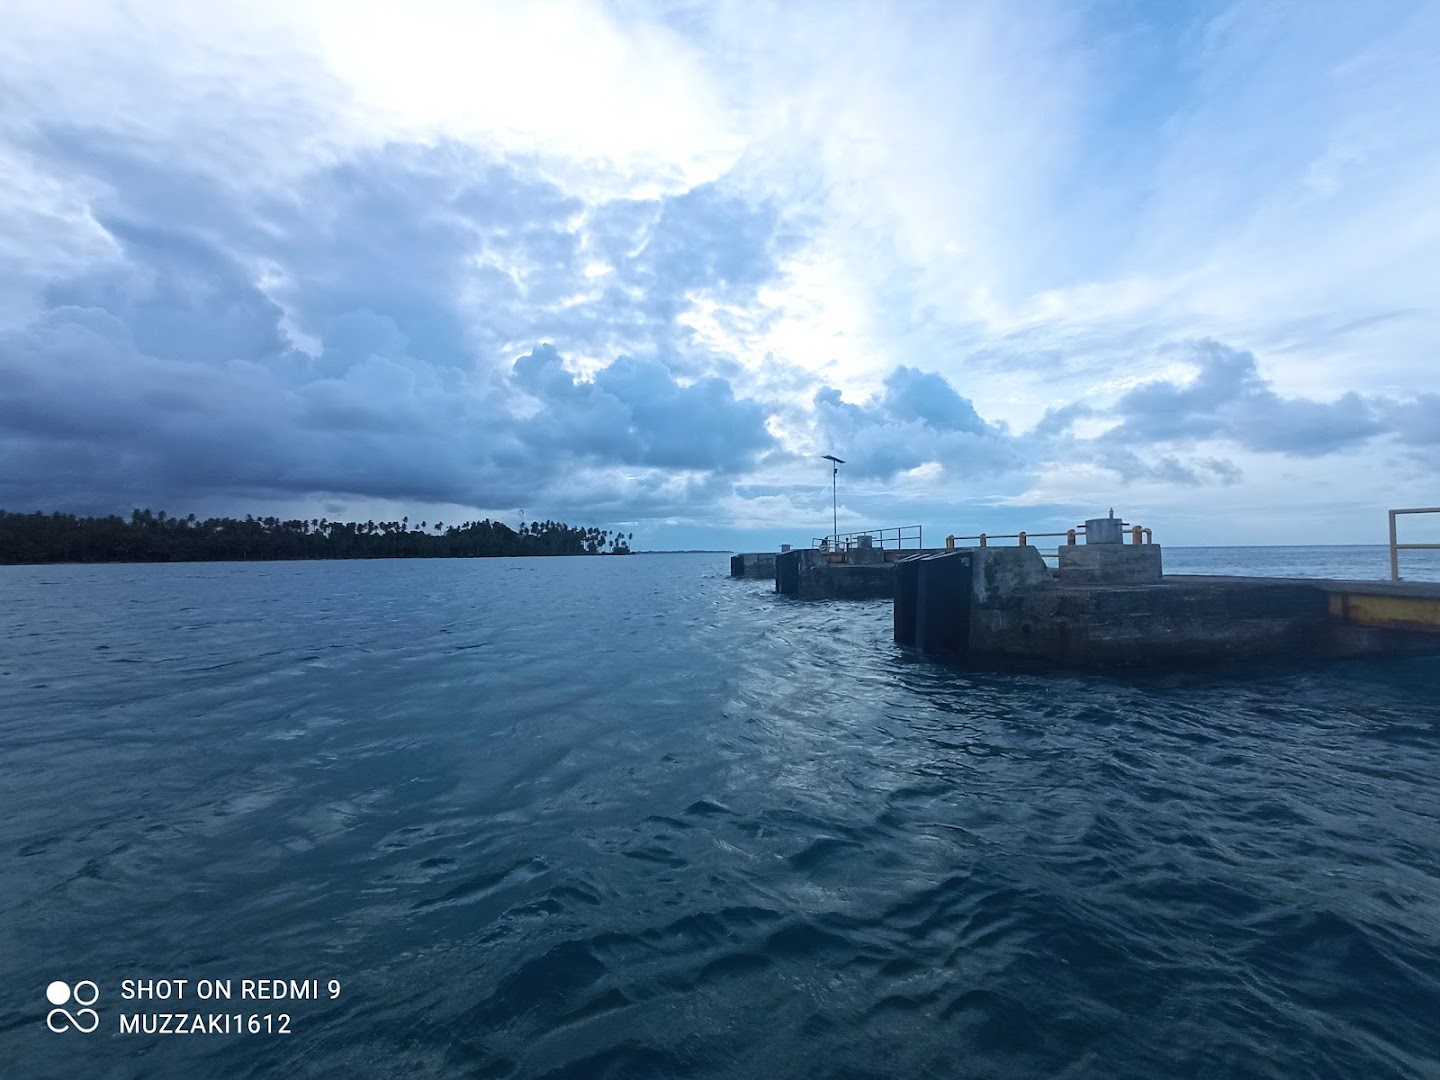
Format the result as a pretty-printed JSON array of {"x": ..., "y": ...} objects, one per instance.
[
  {"x": 1357, "y": 562},
  {"x": 581, "y": 818}
]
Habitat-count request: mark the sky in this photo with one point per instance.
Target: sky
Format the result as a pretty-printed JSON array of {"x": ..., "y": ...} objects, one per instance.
[{"x": 639, "y": 265}]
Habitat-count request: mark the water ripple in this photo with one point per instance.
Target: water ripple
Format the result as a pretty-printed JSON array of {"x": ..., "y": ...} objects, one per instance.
[{"x": 626, "y": 817}]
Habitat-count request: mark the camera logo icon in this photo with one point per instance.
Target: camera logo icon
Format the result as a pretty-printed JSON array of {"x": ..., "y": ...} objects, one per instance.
[{"x": 84, "y": 994}]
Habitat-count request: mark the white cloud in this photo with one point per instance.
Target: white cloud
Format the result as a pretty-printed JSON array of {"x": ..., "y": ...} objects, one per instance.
[{"x": 563, "y": 80}]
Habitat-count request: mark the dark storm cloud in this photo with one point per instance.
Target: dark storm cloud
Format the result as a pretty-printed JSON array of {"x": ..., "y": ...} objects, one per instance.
[
  {"x": 635, "y": 412},
  {"x": 355, "y": 337},
  {"x": 193, "y": 304},
  {"x": 87, "y": 415},
  {"x": 1229, "y": 399},
  {"x": 462, "y": 255},
  {"x": 705, "y": 239},
  {"x": 466, "y": 255},
  {"x": 384, "y": 232}
]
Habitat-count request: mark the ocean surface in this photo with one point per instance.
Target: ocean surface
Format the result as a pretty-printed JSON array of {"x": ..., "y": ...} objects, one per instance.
[{"x": 626, "y": 817}]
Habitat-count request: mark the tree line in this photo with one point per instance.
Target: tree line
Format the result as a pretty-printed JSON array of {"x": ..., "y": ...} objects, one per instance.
[{"x": 157, "y": 537}]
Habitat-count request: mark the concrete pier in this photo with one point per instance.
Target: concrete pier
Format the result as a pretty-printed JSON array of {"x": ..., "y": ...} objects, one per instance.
[
  {"x": 1107, "y": 603},
  {"x": 1005, "y": 603},
  {"x": 856, "y": 574}
]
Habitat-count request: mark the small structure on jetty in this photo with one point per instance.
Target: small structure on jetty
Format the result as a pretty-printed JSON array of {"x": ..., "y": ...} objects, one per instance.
[
  {"x": 849, "y": 566},
  {"x": 1107, "y": 603},
  {"x": 755, "y": 564}
]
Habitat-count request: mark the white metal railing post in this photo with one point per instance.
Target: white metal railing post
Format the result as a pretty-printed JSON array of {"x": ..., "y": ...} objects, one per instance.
[
  {"x": 1394, "y": 551},
  {"x": 1396, "y": 547}
]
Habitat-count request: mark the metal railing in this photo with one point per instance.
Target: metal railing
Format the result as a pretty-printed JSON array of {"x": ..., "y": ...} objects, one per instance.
[
  {"x": 894, "y": 539},
  {"x": 1396, "y": 547},
  {"x": 1139, "y": 534}
]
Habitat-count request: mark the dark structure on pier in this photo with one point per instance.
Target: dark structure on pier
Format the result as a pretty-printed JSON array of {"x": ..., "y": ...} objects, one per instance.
[{"x": 754, "y": 564}]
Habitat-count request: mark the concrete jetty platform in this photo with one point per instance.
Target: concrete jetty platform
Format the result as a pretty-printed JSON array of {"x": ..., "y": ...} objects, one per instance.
[
  {"x": 1106, "y": 603},
  {"x": 1118, "y": 610},
  {"x": 853, "y": 566},
  {"x": 854, "y": 574}
]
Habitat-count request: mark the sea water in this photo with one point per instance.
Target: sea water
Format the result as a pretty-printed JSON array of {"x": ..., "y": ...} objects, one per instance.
[{"x": 626, "y": 817}]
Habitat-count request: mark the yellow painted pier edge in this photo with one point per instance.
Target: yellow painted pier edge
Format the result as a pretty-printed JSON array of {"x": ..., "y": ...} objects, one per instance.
[{"x": 1383, "y": 612}]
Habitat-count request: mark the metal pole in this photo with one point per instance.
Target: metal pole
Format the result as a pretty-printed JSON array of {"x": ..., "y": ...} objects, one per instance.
[
  {"x": 835, "y": 505},
  {"x": 835, "y": 464},
  {"x": 1394, "y": 551}
]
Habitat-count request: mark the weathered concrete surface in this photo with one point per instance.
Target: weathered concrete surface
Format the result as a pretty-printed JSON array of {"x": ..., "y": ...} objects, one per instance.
[
  {"x": 1426, "y": 589},
  {"x": 1002, "y": 571},
  {"x": 753, "y": 564},
  {"x": 1144, "y": 625},
  {"x": 1015, "y": 609},
  {"x": 1372, "y": 616},
  {"x": 1110, "y": 564},
  {"x": 868, "y": 581},
  {"x": 859, "y": 574},
  {"x": 809, "y": 574}
]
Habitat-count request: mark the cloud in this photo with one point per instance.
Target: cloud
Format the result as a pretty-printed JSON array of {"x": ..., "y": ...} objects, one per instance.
[
  {"x": 1059, "y": 421},
  {"x": 310, "y": 250},
  {"x": 919, "y": 419},
  {"x": 634, "y": 412},
  {"x": 88, "y": 417},
  {"x": 1417, "y": 421},
  {"x": 1228, "y": 399},
  {"x": 924, "y": 396},
  {"x": 354, "y": 337},
  {"x": 1133, "y": 466},
  {"x": 192, "y": 304}
]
